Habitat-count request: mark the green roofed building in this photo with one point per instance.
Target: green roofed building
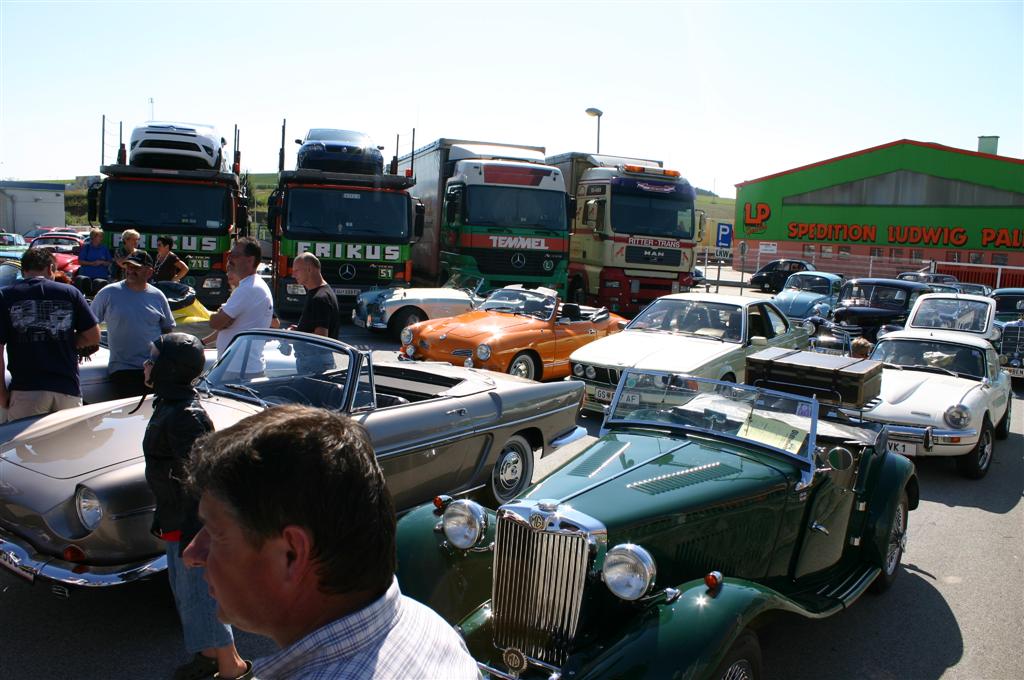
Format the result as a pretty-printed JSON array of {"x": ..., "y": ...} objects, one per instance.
[{"x": 892, "y": 208}]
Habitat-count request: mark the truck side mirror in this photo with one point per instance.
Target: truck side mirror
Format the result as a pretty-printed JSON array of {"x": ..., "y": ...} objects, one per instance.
[
  {"x": 570, "y": 211},
  {"x": 418, "y": 221},
  {"x": 393, "y": 166},
  {"x": 593, "y": 216},
  {"x": 701, "y": 220},
  {"x": 450, "y": 211},
  {"x": 92, "y": 200},
  {"x": 242, "y": 219}
]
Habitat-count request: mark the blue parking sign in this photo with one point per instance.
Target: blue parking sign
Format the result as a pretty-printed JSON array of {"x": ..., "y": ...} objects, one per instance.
[{"x": 724, "y": 235}]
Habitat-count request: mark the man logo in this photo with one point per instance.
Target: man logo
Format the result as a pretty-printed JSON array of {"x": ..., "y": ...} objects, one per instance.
[
  {"x": 518, "y": 260},
  {"x": 347, "y": 272}
]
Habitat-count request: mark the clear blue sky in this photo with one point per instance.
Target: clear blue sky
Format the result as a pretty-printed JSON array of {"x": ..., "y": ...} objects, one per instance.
[{"x": 723, "y": 91}]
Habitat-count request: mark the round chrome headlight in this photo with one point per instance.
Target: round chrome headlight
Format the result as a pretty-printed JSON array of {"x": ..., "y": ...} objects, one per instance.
[
  {"x": 1003, "y": 359},
  {"x": 406, "y": 336},
  {"x": 577, "y": 370},
  {"x": 464, "y": 523},
  {"x": 629, "y": 571},
  {"x": 958, "y": 416},
  {"x": 89, "y": 508},
  {"x": 483, "y": 352},
  {"x": 591, "y": 372},
  {"x": 810, "y": 327}
]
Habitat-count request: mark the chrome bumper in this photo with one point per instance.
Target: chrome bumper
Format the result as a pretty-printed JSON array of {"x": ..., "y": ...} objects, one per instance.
[
  {"x": 930, "y": 436},
  {"x": 569, "y": 437},
  {"x": 20, "y": 559},
  {"x": 360, "y": 321}
]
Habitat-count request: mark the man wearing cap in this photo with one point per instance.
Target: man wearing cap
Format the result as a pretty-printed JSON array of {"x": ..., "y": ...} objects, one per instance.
[{"x": 136, "y": 314}]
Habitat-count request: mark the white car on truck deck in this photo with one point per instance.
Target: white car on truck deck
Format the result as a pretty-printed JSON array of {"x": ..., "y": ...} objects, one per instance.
[
  {"x": 700, "y": 334},
  {"x": 943, "y": 394}
]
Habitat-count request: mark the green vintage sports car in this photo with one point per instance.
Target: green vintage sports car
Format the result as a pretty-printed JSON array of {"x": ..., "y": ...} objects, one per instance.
[{"x": 659, "y": 551}]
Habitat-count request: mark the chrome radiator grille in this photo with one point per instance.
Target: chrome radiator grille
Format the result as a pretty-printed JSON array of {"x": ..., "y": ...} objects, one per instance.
[
  {"x": 538, "y": 588},
  {"x": 1013, "y": 340}
]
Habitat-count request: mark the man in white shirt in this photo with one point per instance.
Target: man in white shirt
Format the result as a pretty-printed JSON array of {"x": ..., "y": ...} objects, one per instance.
[{"x": 250, "y": 305}]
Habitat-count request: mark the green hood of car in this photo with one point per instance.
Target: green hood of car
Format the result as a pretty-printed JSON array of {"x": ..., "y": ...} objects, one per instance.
[{"x": 682, "y": 498}]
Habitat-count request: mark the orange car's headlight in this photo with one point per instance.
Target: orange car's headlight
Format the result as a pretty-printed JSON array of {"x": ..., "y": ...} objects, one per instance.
[{"x": 483, "y": 352}]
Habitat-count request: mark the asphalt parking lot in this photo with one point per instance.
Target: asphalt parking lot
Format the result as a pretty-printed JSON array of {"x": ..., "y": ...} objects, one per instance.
[{"x": 955, "y": 610}]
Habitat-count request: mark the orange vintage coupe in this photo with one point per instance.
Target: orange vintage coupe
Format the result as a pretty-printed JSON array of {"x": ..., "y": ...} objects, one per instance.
[{"x": 521, "y": 331}]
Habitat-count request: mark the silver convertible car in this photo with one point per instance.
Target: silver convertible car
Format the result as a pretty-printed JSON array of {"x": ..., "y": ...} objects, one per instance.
[{"x": 75, "y": 509}]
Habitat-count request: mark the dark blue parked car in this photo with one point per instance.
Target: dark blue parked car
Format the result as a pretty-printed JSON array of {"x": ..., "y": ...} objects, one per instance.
[{"x": 339, "y": 151}]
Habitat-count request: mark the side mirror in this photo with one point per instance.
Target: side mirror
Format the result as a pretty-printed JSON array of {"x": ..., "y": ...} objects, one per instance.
[
  {"x": 701, "y": 220},
  {"x": 840, "y": 458},
  {"x": 570, "y": 212},
  {"x": 298, "y": 141},
  {"x": 622, "y": 325},
  {"x": 417, "y": 227},
  {"x": 450, "y": 212},
  {"x": 242, "y": 219},
  {"x": 758, "y": 341},
  {"x": 92, "y": 200}
]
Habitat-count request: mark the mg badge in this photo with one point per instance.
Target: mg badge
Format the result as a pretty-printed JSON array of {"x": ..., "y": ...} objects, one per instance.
[
  {"x": 537, "y": 522},
  {"x": 518, "y": 260},
  {"x": 347, "y": 272},
  {"x": 548, "y": 265},
  {"x": 514, "y": 660}
]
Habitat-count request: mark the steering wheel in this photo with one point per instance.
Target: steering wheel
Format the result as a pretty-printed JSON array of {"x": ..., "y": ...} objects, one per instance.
[{"x": 283, "y": 395}]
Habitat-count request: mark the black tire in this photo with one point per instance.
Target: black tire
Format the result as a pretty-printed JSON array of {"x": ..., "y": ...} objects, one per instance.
[
  {"x": 894, "y": 549},
  {"x": 742, "y": 661},
  {"x": 975, "y": 465},
  {"x": 1003, "y": 429},
  {"x": 512, "y": 471},
  {"x": 524, "y": 365},
  {"x": 405, "y": 317}
]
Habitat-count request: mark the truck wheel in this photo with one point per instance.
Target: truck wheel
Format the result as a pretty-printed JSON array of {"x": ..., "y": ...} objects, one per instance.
[
  {"x": 524, "y": 366},
  {"x": 743, "y": 661},
  {"x": 975, "y": 465},
  {"x": 894, "y": 549},
  {"x": 405, "y": 317},
  {"x": 513, "y": 470},
  {"x": 1003, "y": 429}
]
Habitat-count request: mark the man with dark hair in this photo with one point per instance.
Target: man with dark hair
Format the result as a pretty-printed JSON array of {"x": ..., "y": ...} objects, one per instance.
[
  {"x": 136, "y": 313},
  {"x": 43, "y": 325},
  {"x": 298, "y": 543},
  {"x": 250, "y": 305}
]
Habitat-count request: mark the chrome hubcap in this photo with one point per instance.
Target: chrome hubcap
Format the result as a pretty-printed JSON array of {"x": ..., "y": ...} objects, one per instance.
[
  {"x": 897, "y": 540},
  {"x": 522, "y": 367},
  {"x": 741, "y": 670},
  {"x": 510, "y": 470},
  {"x": 984, "y": 450}
]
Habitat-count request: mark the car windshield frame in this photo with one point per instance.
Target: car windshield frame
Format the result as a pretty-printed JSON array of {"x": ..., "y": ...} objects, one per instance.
[
  {"x": 872, "y": 295},
  {"x": 265, "y": 366},
  {"x": 365, "y": 214},
  {"x": 951, "y": 313},
  {"x": 172, "y": 207},
  {"x": 792, "y": 283},
  {"x": 930, "y": 359},
  {"x": 782, "y": 423},
  {"x": 463, "y": 281},
  {"x": 676, "y": 316},
  {"x": 543, "y": 306}
]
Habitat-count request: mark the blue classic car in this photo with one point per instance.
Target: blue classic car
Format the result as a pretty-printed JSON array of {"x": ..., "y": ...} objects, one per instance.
[
  {"x": 339, "y": 151},
  {"x": 809, "y": 294}
]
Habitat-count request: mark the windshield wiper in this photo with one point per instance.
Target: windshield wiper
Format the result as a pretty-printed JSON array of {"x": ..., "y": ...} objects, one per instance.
[
  {"x": 933, "y": 369},
  {"x": 886, "y": 364},
  {"x": 247, "y": 390}
]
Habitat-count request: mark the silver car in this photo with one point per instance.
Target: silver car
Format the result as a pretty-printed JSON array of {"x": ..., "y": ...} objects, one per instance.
[
  {"x": 75, "y": 509},
  {"x": 392, "y": 309}
]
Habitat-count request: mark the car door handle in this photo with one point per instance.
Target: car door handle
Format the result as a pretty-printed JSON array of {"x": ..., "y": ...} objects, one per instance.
[
  {"x": 456, "y": 412},
  {"x": 820, "y": 528}
]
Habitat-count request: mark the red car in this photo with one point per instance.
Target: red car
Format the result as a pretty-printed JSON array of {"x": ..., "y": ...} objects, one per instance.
[
  {"x": 65, "y": 249},
  {"x": 39, "y": 231}
]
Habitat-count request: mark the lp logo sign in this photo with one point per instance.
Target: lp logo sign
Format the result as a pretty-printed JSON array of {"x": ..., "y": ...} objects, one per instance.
[{"x": 724, "y": 239}]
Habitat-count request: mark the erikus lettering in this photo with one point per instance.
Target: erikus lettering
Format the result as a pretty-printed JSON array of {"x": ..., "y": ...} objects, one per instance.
[{"x": 350, "y": 251}]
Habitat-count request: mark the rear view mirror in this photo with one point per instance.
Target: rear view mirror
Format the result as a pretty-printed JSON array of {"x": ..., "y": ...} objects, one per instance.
[
  {"x": 92, "y": 201},
  {"x": 759, "y": 341}
]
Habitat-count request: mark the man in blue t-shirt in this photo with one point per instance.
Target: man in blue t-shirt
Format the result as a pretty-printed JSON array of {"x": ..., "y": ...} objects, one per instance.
[
  {"x": 94, "y": 259},
  {"x": 136, "y": 314},
  {"x": 42, "y": 326}
]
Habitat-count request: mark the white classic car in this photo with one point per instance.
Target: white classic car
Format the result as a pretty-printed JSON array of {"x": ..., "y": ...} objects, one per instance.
[
  {"x": 700, "y": 334},
  {"x": 943, "y": 394},
  {"x": 392, "y": 309},
  {"x": 972, "y": 314}
]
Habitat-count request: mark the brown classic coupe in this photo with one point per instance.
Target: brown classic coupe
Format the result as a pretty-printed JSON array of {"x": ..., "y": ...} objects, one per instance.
[{"x": 75, "y": 509}]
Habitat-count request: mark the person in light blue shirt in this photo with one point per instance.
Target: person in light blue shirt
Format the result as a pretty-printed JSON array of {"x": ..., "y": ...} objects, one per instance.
[{"x": 136, "y": 314}]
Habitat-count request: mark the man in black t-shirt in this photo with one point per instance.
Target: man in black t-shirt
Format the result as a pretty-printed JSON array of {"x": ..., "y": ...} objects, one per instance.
[
  {"x": 319, "y": 315},
  {"x": 43, "y": 324}
]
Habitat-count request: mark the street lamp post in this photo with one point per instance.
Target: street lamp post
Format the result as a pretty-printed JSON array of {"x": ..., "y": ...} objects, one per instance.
[{"x": 598, "y": 113}]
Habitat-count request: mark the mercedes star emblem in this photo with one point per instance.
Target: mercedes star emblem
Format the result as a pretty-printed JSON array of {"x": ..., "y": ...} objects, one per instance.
[
  {"x": 347, "y": 272},
  {"x": 519, "y": 260}
]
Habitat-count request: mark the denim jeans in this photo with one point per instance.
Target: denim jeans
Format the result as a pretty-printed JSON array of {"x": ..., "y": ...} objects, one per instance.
[{"x": 197, "y": 610}]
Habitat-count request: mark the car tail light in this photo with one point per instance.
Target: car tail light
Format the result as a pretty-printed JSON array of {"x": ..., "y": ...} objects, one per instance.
[{"x": 713, "y": 580}]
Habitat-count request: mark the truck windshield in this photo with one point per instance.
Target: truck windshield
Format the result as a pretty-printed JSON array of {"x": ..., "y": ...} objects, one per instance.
[
  {"x": 348, "y": 214},
  {"x": 167, "y": 206},
  {"x": 513, "y": 207},
  {"x": 652, "y": 215}
]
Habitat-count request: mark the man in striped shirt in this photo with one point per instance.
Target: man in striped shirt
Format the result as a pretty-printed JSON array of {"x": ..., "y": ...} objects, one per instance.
[{"x": 298, "y": 543}]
